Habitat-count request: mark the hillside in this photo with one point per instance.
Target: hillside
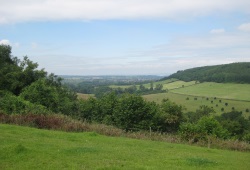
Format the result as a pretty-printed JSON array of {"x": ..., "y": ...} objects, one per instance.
[
  {"x": 234, "y": 73},
  {"x": 29, "y": 148}
]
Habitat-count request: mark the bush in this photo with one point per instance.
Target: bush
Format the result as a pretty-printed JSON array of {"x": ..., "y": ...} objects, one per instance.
[
  {"x": 12, "y": 104},
  {"x": 205, "y": 127},
  {"x": 235, "y": 123},
  {"x": 247, "y": 137}
]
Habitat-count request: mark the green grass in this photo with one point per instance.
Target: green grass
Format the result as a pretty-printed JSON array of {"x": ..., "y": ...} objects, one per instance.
[
  {"x": 167, "y": 84},
  {"x": 29, "y": 148},
  {"x": 193, "y": 105},
  {"x": 219, "y": 90},
  {"x": 236, "y": 95},
  {"x": 84, "y": 96}
]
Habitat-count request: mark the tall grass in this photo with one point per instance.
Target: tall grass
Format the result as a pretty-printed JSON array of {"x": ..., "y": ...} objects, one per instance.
[{"x": 65, "y": 123}]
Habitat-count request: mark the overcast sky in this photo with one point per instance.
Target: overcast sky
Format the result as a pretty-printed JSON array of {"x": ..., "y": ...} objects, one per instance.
[{"x": 120, "y": 37}]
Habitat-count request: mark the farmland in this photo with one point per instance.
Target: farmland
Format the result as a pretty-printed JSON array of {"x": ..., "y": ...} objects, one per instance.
[
  {"x": 222, "y": 97},
  {"x": 29, "y": 148}
]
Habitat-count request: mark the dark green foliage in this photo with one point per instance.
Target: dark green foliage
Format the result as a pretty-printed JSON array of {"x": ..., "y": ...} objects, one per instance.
[
  {"x": 201, "y": 112},
  {"x": 132, "y": 113},
  {"x": 247, "y": 110},
  {"x": 235, "y": 72},
  {"x": 222, "y": 109},
  {"x": 49, "y": 93},
  {"x": 235, "y": 123},
  {"x": 226, "y": 104},
  {"x": 205, "y": 127},
  {"x": 12, "y": 104},
  {"x": 187, "y": 98},
  {"x": 31, "y": 87},
  {"x": 16, "y": 74}
]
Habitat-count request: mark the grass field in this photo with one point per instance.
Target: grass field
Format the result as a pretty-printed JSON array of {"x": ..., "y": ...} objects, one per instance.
[
  {"x": 29, "y": 148},
  {"x": 193, "y": 105},
  {"x": 237, "y": 96},
  {"x": 219, "y": 90},
  {"x": 167, "y": 84},
  {"x": 84, "y": 96}
]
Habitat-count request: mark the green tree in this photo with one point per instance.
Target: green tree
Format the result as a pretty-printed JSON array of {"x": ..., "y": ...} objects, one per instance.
[
  {"x": 159, "y": 87},
  {"x": 134, "y": 113},
  {"x": 171, "y": 116}
]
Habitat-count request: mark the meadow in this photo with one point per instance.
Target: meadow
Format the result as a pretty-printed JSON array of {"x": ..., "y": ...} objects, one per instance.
[
  {"x": 30, "y": 148},
  {"x": 220, "y": 90},
  {"x": 192, "y": 103},
  {"x": 222, "y": 97}
]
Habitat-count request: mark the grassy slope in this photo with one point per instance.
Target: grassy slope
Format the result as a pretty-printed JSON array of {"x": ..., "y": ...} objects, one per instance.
[
  {"x": 221, "y": 90},
  {"x": 192, "y": 105},
  {"x": 211, "y": 90},
  {"x": 28, "y": 148}
]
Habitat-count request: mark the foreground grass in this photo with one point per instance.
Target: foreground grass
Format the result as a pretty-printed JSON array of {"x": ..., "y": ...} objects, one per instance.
[{"x": 29, "y": 148}]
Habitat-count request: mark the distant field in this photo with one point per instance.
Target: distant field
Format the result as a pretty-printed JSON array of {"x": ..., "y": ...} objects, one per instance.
[
  {"x": 29, "y": 148},
  {"x": 192, "y": 104},
  {"x": 220, "y": 90},
  {"x": 84, "y": 96},
  {"x": 167, "y": 84}
]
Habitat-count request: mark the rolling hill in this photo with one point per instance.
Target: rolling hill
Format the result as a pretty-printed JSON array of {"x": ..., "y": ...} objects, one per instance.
[{"x": 233, "y": 73}]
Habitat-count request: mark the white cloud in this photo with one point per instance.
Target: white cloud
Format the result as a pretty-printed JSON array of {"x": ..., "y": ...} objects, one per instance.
[
  {"x": 217, "y": 31},
  {"x": 5, "y": 42},
  {"x": 13, "y": 11},
  {"x": 244, "y": 27}
]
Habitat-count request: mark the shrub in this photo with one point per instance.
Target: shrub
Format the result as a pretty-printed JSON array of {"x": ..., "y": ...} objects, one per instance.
[
  {"x": 222, "y": 109},
  {"x": 247, "y": 110},
  {"x": 206, "y": 126},
  {"x": 247, "y": 137},
  {"x": 12, "y": 104},
  {"x": 187, "y": 98},
  {"x": 226, "y": 104}
]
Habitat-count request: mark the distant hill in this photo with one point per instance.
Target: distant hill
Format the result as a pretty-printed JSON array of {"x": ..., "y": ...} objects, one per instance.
[{"x": 233, "y": 73}]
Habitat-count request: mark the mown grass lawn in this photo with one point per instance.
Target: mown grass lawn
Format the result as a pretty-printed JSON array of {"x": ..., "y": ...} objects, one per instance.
[{"x": 29, "y": 148}]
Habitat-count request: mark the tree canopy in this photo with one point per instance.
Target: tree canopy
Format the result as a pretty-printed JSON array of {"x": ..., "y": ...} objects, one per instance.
[{"x": 233, "y": 73}]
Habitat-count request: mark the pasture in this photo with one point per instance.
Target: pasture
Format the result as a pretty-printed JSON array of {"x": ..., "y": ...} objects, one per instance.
[
  {"x": 222, "y": 97},
  {"x": 29, "y": 148},
  {"x": 192, "y": 103},
  {"x": 219, "y": 90}
]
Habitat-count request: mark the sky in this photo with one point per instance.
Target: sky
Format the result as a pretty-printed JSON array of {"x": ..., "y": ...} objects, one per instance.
[{"x": 126, "y": 37}]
